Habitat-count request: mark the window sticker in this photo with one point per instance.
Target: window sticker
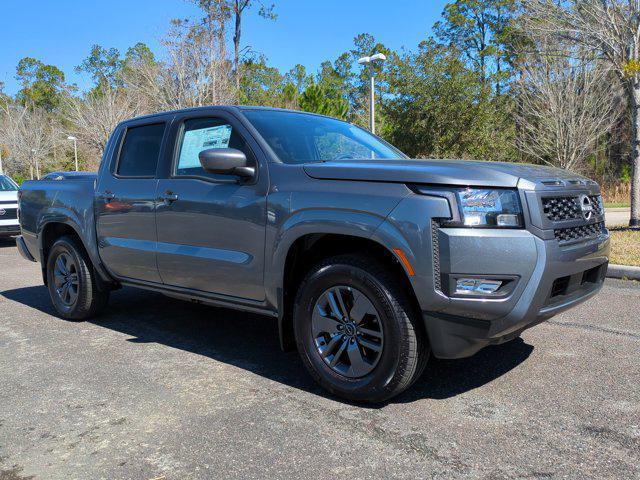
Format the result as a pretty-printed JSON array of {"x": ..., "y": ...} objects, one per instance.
[{"x": 195, "y": 141}]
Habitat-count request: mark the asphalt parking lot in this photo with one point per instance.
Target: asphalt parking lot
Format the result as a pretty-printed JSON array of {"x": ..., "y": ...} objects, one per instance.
[{"x": 160, "y": 389}]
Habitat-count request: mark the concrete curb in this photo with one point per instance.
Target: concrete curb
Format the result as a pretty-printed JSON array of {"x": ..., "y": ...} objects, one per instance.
[
  {"x": 617, "y": 209},
  {"x": 623, "y": 271}
]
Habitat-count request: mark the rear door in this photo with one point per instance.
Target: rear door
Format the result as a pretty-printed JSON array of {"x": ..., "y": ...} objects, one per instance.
[
  {"x": 211, "y": 228},
  {"x": 126, "y": 202}
]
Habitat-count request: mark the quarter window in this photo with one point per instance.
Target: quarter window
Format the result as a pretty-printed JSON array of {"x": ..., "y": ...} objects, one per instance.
[
  {"x": 140, "y": 151},
  {"x": 202, "y": 134}
]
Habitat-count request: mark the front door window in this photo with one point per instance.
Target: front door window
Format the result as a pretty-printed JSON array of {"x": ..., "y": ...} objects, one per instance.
[{"x": 202, "y": 134}]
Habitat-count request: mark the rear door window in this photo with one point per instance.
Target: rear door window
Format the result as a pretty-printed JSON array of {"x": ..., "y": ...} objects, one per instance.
[{"x": 140, "y": 151}]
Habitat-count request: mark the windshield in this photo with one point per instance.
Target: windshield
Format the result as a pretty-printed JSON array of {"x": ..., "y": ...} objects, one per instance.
[
  {"x": 7, "y": 185},
  {"x": 301, "y": 138}
]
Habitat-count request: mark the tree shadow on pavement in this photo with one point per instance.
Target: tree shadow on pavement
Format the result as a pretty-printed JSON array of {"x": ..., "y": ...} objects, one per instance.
[{"x": 250, "y": 342}]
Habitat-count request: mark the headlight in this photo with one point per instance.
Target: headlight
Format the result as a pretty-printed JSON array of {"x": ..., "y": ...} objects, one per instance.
[{"x": 481, "y": 207}]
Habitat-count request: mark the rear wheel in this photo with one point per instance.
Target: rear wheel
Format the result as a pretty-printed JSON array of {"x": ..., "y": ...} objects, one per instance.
[
  {"x": 71, "y": 281},
  {"x": 356, "y": 331}
]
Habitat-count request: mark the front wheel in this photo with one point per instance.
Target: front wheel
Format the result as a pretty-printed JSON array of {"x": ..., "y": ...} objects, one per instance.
[
  {"x": 356, "y": 331},
  {"x": 71, "y": 281}
]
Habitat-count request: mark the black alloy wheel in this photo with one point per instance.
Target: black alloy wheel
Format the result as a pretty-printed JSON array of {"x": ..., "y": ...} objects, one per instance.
[
  {"x": 65, "y": 279},
  {"x": 347, "y": 331},
  {"x": 358, "y": 333},
  {"x": 72, "y": 280}
]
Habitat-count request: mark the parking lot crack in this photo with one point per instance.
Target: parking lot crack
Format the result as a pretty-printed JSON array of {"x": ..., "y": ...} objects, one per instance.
[{"x": 595, "y": 328}]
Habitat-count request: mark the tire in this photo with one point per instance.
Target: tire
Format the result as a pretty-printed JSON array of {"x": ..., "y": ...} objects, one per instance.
[
  {"x": 395, "y": 353},
  {"x": 88, "y": 299}
]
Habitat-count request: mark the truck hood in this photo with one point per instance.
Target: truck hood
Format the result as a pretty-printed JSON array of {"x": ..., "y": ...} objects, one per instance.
[
  {"x": 10, "y": 196},
  {"x": 438, "y": 172}
]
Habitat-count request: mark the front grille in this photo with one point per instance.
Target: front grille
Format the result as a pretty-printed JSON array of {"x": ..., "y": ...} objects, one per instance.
[
  {"x": 9, "y": 214},
  {"x": 558, "y": 209},
  {"x": 566, "y": 235},
  {"x": 592, "y": 276},
  {"x": 435, "y": 228},
  {"x": 578, "y": 284},
  {"x": 596, "y": 202},
  {"x": 560, "y": 286},
  {"x": 561, "y": 208}
]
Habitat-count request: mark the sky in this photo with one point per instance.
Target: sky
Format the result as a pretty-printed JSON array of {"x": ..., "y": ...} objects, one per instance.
[{"x": 61, "y": 32}]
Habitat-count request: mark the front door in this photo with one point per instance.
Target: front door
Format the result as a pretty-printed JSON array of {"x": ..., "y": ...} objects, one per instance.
[
  {"x": 211, "y": 228},
  {"x": 125, "y": 204}
]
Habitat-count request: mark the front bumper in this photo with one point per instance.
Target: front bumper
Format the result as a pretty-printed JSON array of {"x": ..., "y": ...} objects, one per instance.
[
  {"x": 9, "y": 230},
  {"x": 547, "y": 279}
]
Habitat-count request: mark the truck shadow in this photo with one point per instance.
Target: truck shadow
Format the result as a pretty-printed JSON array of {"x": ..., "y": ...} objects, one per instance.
[
  {"x": 7, "y": 242},
  {"x": 251, "y": 342}
]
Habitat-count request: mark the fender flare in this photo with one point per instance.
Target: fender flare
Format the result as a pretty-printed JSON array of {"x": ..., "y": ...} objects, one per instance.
[
  {"x": 310, "y": 222},
  {"x": 69, "y": 218}
]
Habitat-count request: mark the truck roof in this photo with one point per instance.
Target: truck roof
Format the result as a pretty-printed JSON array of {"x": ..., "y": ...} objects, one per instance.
[{"x": 218, "y": 107}]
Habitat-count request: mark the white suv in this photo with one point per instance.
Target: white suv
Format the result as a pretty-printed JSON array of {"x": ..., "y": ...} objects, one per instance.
[{"x": 8, "y": 207}]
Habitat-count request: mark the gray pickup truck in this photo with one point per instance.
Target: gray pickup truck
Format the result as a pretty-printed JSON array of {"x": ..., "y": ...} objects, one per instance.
[{"x": 370, "y": 261}]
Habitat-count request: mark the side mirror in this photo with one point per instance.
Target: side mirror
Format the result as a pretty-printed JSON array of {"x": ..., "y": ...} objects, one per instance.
[{"x": 226, "y": 161}]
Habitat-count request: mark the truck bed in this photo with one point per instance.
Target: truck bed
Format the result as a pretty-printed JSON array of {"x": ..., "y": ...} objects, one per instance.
[{"x": 60, "y": 197}]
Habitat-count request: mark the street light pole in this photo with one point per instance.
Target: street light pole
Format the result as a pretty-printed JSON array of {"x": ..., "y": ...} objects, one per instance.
[
  {"x": 372, "y": 102},
  {"x": 75, "y": 149},
  {"x": 369, "y": 61}
]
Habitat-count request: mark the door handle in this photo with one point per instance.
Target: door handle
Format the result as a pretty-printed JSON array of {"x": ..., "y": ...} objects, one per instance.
[
  {"x": 169, "y": 197},
  {"x": 108, "y": 196}
]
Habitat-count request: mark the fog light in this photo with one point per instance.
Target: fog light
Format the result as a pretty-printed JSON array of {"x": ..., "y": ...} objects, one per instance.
[
  {"x": 471, "y": 220},
  {"x": 477, "y": 286}
]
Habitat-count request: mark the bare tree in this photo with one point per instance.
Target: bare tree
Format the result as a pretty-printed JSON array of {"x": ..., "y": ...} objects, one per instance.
[
  {"x": 611, "y": 28},
  {"x": 214, "y": 23},
  {"x": 96, "y": 115},
  {"x": 216, "y": 15},
  {"x": 567, "y": 103},
  {"x": 29, "y": 134},
  {"x": 3, "y": 128},
  {"x": 238, "y": 7},
  {"x": 190, "y": 77}
]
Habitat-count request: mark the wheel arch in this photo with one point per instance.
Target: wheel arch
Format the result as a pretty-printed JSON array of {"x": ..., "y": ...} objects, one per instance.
[
  {"x": 51, "y": 231},
  {"x": 309, "y": 249}
]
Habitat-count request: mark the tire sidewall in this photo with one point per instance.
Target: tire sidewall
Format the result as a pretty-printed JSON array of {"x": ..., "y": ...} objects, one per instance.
[{"x": 378, "y": 380}]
